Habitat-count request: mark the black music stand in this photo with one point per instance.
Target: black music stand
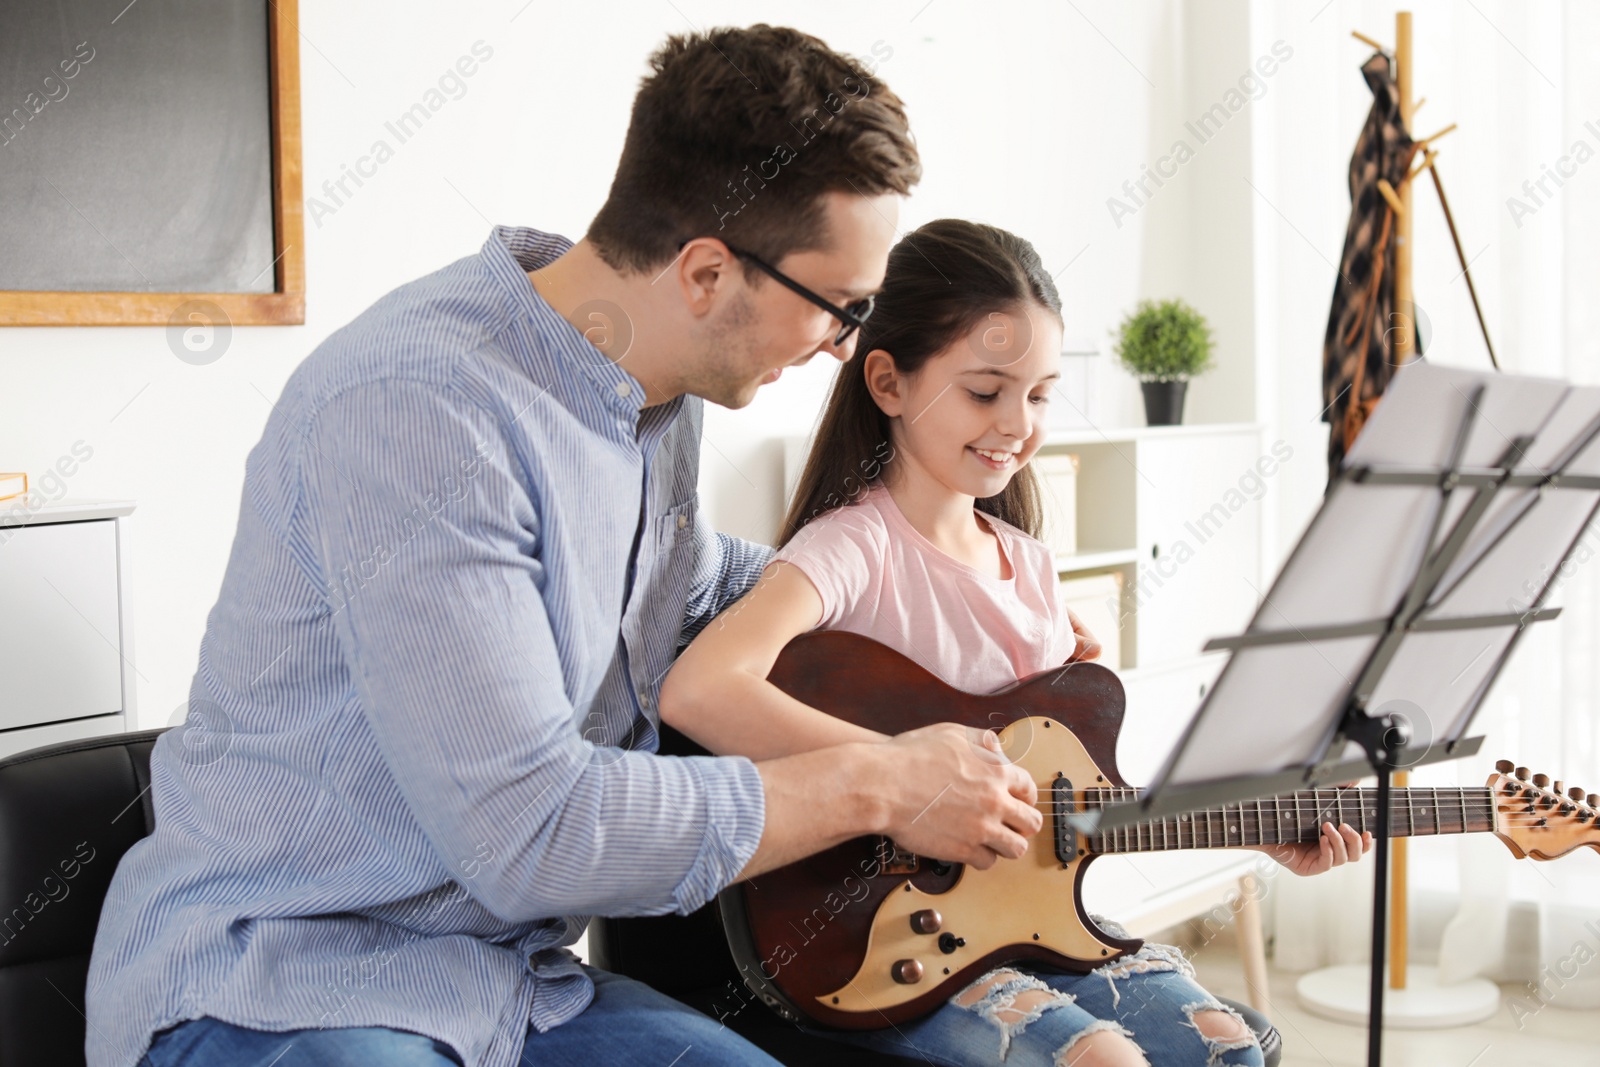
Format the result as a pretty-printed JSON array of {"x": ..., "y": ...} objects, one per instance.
[{"x": 1401, "y": 604}]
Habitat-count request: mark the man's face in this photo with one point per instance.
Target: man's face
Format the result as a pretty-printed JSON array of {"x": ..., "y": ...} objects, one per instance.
[{"x": 765, "y": 326}]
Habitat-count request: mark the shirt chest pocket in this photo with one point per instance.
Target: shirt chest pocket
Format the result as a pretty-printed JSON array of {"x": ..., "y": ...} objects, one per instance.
[
  {"x": 661, "y": 588},
  {"x": 674, "y": 544}
]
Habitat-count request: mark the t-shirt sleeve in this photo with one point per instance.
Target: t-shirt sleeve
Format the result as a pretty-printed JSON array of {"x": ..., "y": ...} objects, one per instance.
[{"x": 841, "y": 552}]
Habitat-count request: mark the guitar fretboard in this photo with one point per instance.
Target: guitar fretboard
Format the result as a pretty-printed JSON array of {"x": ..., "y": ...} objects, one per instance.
[{"x": 1296, "y": 817}]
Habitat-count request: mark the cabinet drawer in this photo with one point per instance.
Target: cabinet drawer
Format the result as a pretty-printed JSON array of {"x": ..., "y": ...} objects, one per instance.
[
  {"x": 1199, "y": 536},
  {"x": 60, "y": 628}
]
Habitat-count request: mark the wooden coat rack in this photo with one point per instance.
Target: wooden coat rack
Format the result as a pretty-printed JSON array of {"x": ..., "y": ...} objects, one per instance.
[{"x": 1477, "y": 998}]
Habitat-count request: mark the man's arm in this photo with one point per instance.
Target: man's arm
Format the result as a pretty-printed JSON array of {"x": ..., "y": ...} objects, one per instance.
[{"x": 415, "y": 516}]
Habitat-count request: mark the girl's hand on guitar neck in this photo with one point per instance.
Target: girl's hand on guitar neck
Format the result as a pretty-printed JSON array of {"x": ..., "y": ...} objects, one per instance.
[{"x": 1336, "y": 847}]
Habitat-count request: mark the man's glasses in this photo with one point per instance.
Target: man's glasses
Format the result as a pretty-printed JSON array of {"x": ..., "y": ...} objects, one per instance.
[{"x": 853, "y": 315}]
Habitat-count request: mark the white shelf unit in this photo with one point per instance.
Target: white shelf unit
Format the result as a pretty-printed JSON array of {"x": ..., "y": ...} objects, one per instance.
[{"x": 66, "y": 633}]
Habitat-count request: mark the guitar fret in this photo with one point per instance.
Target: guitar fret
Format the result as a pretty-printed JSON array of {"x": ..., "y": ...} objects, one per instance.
[{"x": 1297, "y": 817}]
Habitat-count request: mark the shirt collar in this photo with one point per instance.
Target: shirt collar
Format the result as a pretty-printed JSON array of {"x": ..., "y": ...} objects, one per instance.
[{"x": 512, "y": 251}]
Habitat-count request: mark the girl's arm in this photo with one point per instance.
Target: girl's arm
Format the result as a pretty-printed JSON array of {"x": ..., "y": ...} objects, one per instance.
[{"x": 717, "y": 692}]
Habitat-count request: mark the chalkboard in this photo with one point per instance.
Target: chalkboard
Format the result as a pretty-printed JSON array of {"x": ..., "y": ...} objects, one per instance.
[{"x": 149, "y": 148}]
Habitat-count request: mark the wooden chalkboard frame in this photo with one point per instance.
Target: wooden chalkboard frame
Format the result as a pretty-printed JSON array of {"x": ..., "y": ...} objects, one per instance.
[{"x": 286, "y": 305}]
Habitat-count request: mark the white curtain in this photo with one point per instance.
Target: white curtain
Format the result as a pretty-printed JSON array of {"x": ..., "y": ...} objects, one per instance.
[{"x": 1523, "y": 84}]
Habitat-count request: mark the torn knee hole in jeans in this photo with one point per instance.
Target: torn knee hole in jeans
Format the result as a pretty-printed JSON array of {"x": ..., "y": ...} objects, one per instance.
[
  {"x": 1065, "y": 1057},
  {"x": 1151, "y": 957},
  {"x": 1245, "y": 1037},
  {"x": 1011, "y": 1001}
]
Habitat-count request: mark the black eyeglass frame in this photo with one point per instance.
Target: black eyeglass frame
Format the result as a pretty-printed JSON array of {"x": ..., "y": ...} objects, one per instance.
[{"x": 853, "y": 316}]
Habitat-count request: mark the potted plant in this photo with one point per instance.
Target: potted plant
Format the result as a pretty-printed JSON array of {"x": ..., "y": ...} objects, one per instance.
[{"x": 1164, "y": 344}]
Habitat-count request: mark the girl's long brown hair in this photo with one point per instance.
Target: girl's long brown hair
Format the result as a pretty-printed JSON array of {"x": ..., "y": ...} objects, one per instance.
[{"x": 942, "y": 279}]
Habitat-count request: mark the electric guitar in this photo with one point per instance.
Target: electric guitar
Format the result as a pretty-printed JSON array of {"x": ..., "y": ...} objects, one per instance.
[{"x": 865, "y": 935}]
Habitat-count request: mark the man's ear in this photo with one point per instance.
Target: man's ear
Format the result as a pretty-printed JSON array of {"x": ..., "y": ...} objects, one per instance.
[
  {"x": 884, "y": 382},
  {"x": 704, "y": 269}
]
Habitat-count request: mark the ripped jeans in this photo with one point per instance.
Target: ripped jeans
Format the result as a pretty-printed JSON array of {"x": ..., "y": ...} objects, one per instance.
[{"x": 1151, "y": 998}]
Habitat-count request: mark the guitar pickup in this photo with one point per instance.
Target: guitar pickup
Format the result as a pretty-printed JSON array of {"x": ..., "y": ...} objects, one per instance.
[{"x": 1062, "y": 805}]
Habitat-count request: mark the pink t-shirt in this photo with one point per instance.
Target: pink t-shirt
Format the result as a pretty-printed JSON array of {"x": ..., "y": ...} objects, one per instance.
[{"x": 880, "y": 578}]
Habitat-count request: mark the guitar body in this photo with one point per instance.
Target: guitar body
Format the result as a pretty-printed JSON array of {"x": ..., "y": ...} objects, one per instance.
[{"x": 827, "y": 939}]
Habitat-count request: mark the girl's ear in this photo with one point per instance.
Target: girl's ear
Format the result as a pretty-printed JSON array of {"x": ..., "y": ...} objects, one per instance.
[{"x": 884, "y": 382}]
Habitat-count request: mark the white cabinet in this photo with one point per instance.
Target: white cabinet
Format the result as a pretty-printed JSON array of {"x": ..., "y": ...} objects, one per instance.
[
  {"x": 1199, "y": 539},
  {"x": 1177, "y": 511},
  {"x": 66, "y": 640}
]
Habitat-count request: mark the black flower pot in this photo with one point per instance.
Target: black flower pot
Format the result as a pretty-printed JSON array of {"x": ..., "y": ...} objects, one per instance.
[{"x": 1163, "y": 402}]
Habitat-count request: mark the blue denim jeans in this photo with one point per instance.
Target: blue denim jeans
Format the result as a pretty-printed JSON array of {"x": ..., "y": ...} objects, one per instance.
[
  {"x": 625, "y": 1019},
  {"x": 1151, "y": 998}
]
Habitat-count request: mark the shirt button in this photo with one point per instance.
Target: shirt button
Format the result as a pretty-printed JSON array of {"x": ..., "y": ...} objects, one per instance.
[
  {"x": 624, "y": 388},
  {"x": 683, "y": 520},
  {"x": 644, "y": 698}
]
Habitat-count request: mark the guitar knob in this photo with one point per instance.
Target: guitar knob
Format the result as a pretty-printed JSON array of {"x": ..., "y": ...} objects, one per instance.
[
  {"x": 1541, "y": 780},
  {"x": 1504, "y": 766},
  {"x": 926, "y": 921},
  {"x": 948, "y": 943},
  {"x": 1522, "y": 774},
  {"x": 906, "y": 972}
]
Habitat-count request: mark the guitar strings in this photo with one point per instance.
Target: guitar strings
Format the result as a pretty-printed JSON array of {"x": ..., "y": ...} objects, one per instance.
[{"x": 1440, "y": 803}]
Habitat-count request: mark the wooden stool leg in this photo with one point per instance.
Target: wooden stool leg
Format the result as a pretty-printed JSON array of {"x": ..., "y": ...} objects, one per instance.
[{"x": 1252, "y": 945}]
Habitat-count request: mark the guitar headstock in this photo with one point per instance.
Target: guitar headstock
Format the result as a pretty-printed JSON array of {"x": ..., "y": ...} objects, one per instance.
[{"x": 1540, "y": 818}]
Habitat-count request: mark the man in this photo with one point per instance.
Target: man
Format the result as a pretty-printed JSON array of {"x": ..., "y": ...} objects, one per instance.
[{"x": 468, "y": 548}]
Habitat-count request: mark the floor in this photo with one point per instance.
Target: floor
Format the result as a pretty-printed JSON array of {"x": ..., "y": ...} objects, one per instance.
[{"x": 1551, "y": 1038}]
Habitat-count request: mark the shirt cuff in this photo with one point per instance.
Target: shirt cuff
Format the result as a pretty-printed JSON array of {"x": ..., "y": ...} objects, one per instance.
[{"x": 735, "y": 816}]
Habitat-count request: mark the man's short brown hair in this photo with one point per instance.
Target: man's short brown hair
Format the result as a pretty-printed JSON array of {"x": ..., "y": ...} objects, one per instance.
[{"x": 737, "y": 133}]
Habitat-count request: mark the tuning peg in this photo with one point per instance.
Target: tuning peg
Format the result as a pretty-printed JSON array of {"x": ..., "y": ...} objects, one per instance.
[
  {"x": 1576, "y": 793},
  {"x": 1594, "y": 800},
  {"x": 1541, "y": 780},
  {"x": 1504, "y": 766},
  {"x": 1522, "y": 773},
  {"x": 1558, "y": 786}
]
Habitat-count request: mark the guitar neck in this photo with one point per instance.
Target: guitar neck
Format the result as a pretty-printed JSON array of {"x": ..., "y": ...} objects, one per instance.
[{"x": 1297, "y": 817}]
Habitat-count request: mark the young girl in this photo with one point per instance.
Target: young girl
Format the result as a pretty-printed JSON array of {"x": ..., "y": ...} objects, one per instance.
[{"x": 914, "y": 524}]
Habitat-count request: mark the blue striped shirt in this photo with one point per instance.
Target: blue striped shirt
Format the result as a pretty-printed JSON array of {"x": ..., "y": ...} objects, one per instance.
[{"x": 418, "y": 752}]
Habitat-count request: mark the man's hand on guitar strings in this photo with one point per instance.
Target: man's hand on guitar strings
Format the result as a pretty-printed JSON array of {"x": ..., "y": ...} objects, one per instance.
[
  {"x": 1335, "y": 847},
  {"x": 963, "y": 801}
]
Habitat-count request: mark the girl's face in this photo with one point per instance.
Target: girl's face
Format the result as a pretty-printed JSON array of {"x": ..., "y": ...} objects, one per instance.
[{"x": 976, "y": 411}]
